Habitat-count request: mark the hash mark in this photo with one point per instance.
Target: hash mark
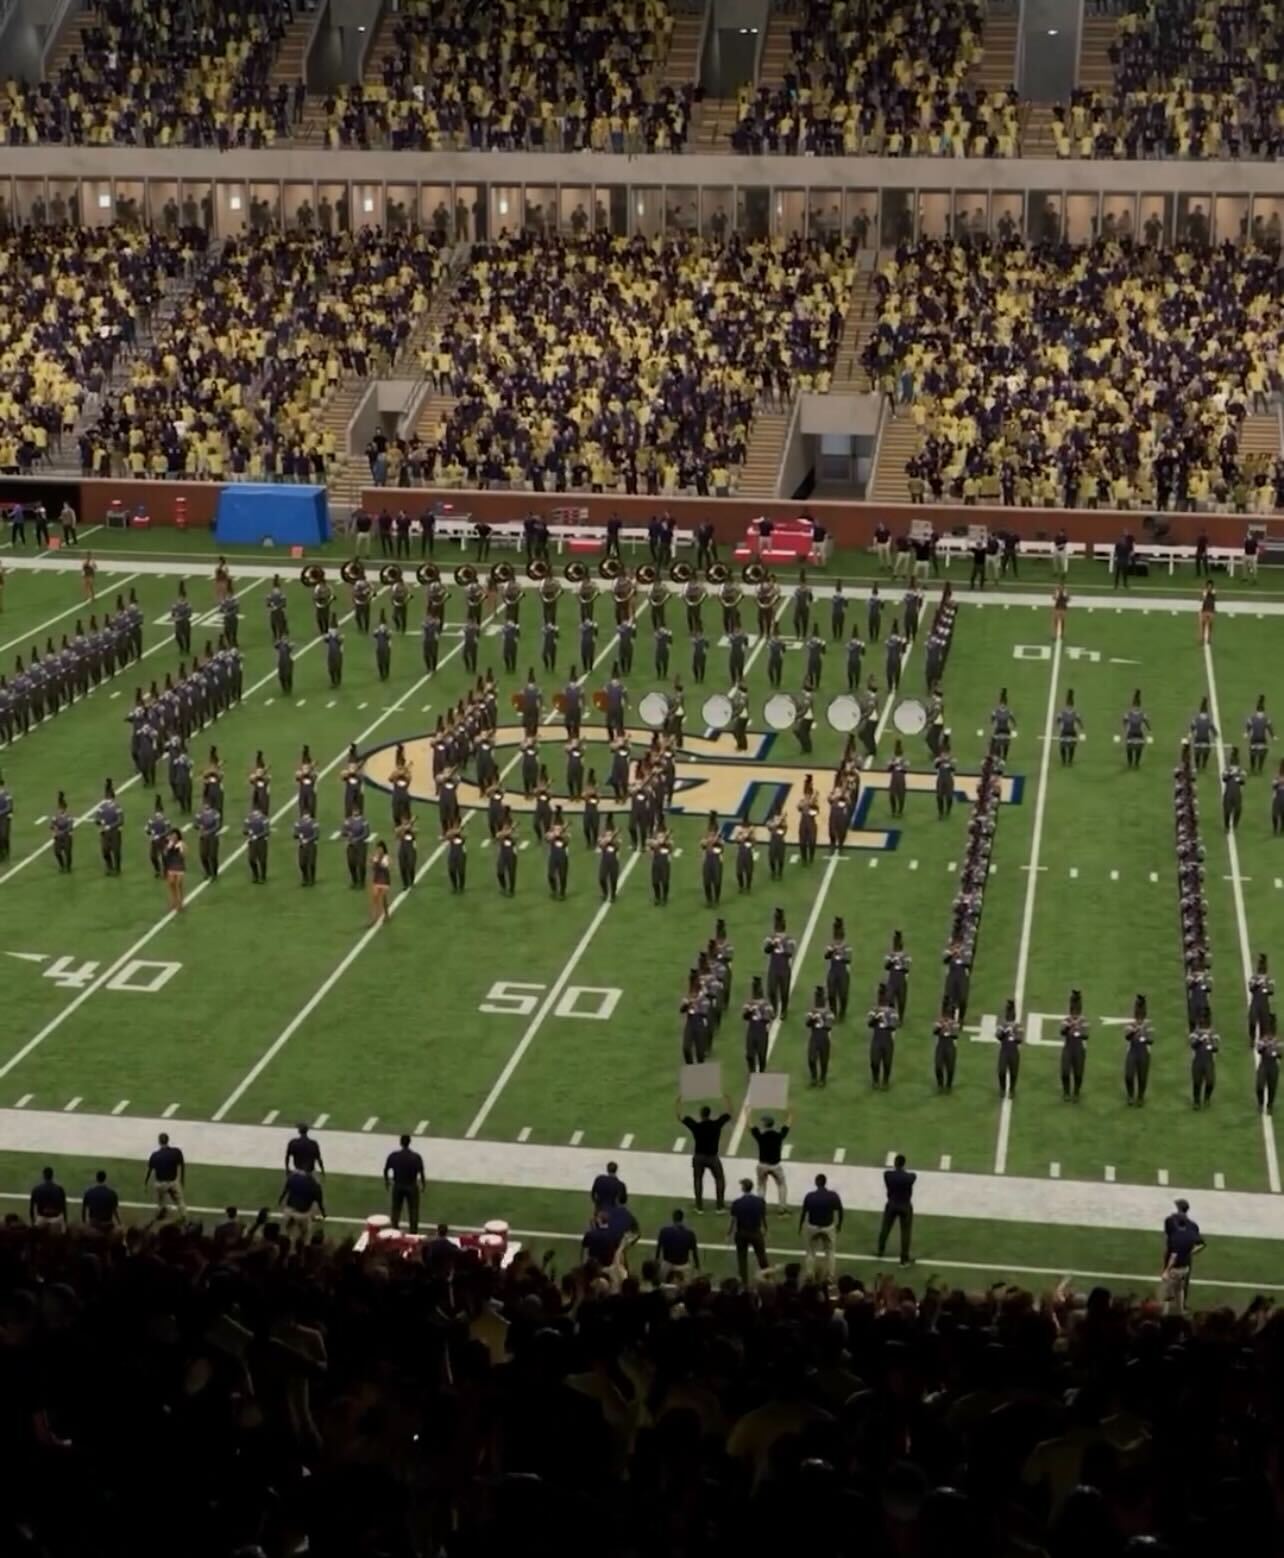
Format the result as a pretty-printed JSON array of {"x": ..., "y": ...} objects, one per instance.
[
  {"x": 680, "y": 1144},
  {"x": 946, "y": 1162},
  {"x": 371, "y": 1123},
  {"x": 840, "y": 1154},
  {"x": 1219, "y": 1181},
  {"x": 626, "y": 1141},
  {"x": 1054, "y": 1171},
  {"x": 169, "y": 1112},
  {"x": 270, "y": 1117},
  {"x": 891, "y": 1160},
  {"x": 1162, "y": 1176},
  {"x": 576, "y": 1138},
  {"x": 1110, "y": 1173},
  {"x": 72, "y": 1105},
  {"x": 421, "y": 1127},
  {"x": 320, "y": 1120},
  {"x": 121, "y": 1106},
  {"x": 24, "y": 1101},
  {"x": 524, "y": 1134}
]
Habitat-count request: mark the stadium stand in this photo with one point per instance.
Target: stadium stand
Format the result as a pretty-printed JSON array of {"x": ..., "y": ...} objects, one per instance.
[
  {"x": 1195, "y": 78},
  {"x": 1110, "y": 375},
  {"x": 625, "y": 364},
  {"x": 350, "y": 1403},
  {"x": 73, "y": 301},
  {"x": 158, "y": 73},
  {"x": 238, "y": 382},
  {"x": 881, "y": 78},
  {"x": 582, "y": 75}
]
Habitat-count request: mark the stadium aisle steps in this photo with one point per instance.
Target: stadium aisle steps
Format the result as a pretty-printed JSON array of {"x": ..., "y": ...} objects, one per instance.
[
  {"x": 777, "y": 51},
  {"x": 70, "y": 40},
  {"x": 900, "y": 442},
  {"x": 849, "y": 374},
  {"x": 756, "y": 478},
  {"x": 1261, "y": 435},
  {"x": 712, "y": 122},
  {"x": 1036, "y": 137},
  {"x": 1096, "y": 73},
  {"x": 683, "y": 64},
  {"x": 289, "y": 62},
  {"x": 996, "y": 70}
]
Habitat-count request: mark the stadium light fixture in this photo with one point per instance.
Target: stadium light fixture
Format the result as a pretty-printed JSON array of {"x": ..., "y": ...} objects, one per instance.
[{"x": 1052, "y": 32}]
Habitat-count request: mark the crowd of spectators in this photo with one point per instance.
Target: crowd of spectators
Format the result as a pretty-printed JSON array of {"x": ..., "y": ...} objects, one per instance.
[
  {"x": 216, "y": 1388},
  {"x": 72, "y": 300},
  {"x": 567, "y": 75},
  {"x": 1113, "y": 374},
  {"x": 881, "y": 78},
  {"x": 162, "y": 73},
  {"x": 628, "y": 363},
  {"x": 235, "y": 383},
  {"x": 1193, "y": 78}
]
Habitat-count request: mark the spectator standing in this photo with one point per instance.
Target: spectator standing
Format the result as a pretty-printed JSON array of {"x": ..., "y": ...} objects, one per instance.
[
  {"x": 747, "y": 1229},
  {"x": 167, "y": 1175},
  {"x": 706, "y": 1144},
  {"x": 676, "y": 1248},
  {"x": 820, "y": 1221},
  {"x": 403, "y": 1176},
  {"x": 48, "y": 1205},
  {"x": 100, "y": 1205},
  {"x": 899, "y": 1209}
]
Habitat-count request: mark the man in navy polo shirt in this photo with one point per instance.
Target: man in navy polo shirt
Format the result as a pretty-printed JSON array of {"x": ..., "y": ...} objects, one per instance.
[
  {"x": 747, "y": 1229},
  {"x": 677, "y": 1249},
  {"x": 819, "y": 1220},
  {"x": 100, "y": 1205}
]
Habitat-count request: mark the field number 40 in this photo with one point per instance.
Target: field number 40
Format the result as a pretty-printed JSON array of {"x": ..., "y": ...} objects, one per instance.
[{"x": 513, "y": 998}]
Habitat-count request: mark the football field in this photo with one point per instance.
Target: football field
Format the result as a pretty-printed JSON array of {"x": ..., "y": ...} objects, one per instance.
[{"x": 527, "y": 1039}]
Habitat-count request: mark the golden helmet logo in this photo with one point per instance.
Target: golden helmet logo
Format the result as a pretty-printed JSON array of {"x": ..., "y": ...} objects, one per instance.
[{"x": 742, "y": 787}]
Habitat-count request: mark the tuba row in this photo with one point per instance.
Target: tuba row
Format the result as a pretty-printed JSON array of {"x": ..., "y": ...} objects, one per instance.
[{"x": 575, "y": 572}]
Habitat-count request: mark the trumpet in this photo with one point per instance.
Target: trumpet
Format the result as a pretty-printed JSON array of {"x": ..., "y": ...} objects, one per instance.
[
  {"x": 576, "y": 572},
  {"x": 428, "y": 573},
  {"x": 681, "y": 573},
  {"x": 717, "y": 573},
  {"x": 390, "y": 574},
  {"x": 538, "y": 569},
  {"x": 352, "y": 570},
  {"x": 647, "y": 574},
  {"x": 465, "y": 574},
  {"x": 312, "y": 575},
  {"x": 610, "y": 568},
  {"x": 502, "y": 573},
  {"x": 753, "y": 573}
]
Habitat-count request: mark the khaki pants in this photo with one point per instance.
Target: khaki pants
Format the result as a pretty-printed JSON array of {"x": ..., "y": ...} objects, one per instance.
[
  {"x": 776, "y": 1172},
  {"x": 169, "y": 1193},
  {"x": 1061, "y": 563},
  {"x": 299, "y": 1225},
  {"x": 820, "y": 1244},
  {"x": 52, "y": 1224}
]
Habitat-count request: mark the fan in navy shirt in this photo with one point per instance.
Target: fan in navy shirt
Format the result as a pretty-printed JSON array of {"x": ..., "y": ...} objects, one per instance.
[
  {"x": 607, "y": 1189},
  {"x": 676, "y": 1248},
  {"x": 100, "y": 1205}
]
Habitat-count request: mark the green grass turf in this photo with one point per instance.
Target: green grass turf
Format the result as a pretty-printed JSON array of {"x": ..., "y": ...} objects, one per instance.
[
  {"x": 399, "y": 1035},
  {"x": 959, "y": 1252}
]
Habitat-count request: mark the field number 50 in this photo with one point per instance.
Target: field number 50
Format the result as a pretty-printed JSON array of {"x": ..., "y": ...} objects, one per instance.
[{"x": 513, "y": 998}]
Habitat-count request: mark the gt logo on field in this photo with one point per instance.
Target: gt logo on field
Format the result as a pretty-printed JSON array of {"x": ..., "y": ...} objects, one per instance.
[
  {"x": 514, "y": 998},
  {"x": 1044, "y": 652},
  {"x": 139, "y": 976}
]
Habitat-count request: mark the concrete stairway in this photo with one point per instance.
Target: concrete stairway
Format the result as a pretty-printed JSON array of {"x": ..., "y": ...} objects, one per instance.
[
  {"x": 291, "y": 57},
  {"x": 899, "y": 442},
  {"x": 756, "y": 478},
  {"x": 712, "y": 123},
  {"x": 1037, "y": 139},
  {"x": 996, "y": 70},
  {"x": 70, "y": 40},
  {"x": 1096, "y": 74},
  {"x": 1260, "y": 435},
  {"x": 849, "y": 374},
  {"x": 777, "y": 53},
  {"x": 682, "y": 67}
]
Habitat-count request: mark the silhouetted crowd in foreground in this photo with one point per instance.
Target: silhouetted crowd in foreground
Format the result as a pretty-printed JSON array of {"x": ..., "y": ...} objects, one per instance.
[{"x": 214, "y": 1392}]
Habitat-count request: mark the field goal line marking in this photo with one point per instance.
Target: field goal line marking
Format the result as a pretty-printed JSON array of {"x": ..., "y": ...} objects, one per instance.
[
  {"x": 146, "y": 938},
  {"x": 1241, "y": 915}
]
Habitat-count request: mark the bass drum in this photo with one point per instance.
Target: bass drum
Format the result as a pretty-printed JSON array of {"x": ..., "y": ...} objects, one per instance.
[
  {"x": 717, "y": 711},
  {"x": 781, "y": 712},
  {"x": 910, "y": 717},
  {"x": 653, "y": 710},
  {"x": 843, "y": 713}
]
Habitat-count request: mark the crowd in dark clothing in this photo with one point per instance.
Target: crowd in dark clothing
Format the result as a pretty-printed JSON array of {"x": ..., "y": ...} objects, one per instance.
[
  {"x": 237, "y": 379},
  {"x": 161, "y": 73},
  {"x": 1193, "y": 78},
  {"x": 1109, "y": 375},
  {"x": 636, "y": 363},
  {"x": 271, "y": 1399},
  {"x": 515, "y": 75},
  {"x": 880, "y": 77}
]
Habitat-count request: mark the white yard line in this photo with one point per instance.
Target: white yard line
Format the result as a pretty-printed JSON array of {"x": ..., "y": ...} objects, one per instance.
[
  {"x": 1064, "y": 1202},
  {"x": 1031, "y": 892},
  {"x": 82, "y": 608},
  {"x": 146, "y": 938},
  {"x": 1241, "y": 916},
  {"x": 368, "y": 935},
  {"x": 809, "y": 929}
]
